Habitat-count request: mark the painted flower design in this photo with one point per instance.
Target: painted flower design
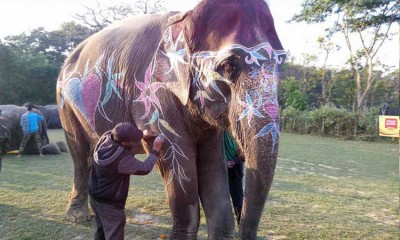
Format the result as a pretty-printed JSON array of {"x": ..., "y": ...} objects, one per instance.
[
  {"x": 250, "y": 108},
  {"x": 272, "y": 109},
  {"x": 268, "y": 71},
  {"x": 272, "y": 128},
  {"x": 148, "y": 93},
  {"x": 202, "y": 95}
]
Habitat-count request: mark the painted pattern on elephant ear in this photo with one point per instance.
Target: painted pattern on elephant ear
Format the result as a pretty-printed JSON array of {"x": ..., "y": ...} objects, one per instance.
[{"x": 170, "y": 62}]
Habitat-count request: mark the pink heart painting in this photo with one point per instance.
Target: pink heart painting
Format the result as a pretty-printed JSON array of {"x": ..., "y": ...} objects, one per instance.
[{"x": 84, "y": 95}]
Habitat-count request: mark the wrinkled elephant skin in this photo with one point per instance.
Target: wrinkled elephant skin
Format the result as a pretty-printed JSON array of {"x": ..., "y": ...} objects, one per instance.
[{"x": 187, "y": 76}]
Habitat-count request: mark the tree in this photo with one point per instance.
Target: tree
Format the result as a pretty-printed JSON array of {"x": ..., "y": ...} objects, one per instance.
[
  {"x": 99, "y": 17},
  {"x": 30, "y": 63},
  {"x": 343, "y": 89},
  {"x": 326, "y": 80},
  {"x": 55, "y": 45},
  {"x": 386, "y": 93},
  {"x": 292, "y": 94},
  {"x": 67, "y": 37},
  {"x": 25, "y": 76},
  {"x": 368, "y": 20}
]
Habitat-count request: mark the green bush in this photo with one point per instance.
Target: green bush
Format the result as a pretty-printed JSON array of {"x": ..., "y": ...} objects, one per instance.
[
  {"x": 368, "y": 128},
  {"x": 331, "y": 121}
]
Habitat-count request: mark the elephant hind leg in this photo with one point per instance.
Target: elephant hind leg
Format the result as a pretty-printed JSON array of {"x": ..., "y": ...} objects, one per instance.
[{"x": 81, "y": 152}]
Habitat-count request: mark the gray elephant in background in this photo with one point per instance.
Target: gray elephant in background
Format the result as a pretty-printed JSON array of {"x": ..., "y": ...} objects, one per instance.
[
  {"x": 50, "y": 113},
  {"x": 11, "y": 116}
]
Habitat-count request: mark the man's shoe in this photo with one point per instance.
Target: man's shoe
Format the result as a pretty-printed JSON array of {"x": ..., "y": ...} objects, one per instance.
[{"x": 18, "y": 156}]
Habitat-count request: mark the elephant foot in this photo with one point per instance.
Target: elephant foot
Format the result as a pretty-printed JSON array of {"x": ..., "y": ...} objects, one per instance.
[
  {"x": 77, "y": 214},
  {"x": 183, "y": 237}
]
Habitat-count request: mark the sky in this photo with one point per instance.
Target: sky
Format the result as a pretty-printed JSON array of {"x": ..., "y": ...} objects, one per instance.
[{"x": 17, "y": 16}]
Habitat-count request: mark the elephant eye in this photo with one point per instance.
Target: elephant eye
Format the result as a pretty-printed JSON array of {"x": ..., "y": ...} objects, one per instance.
[{"x": 228, "y": 68}]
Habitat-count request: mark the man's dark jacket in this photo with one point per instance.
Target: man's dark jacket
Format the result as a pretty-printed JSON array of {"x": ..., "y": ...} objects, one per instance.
[{"x": 112, "y": 166}]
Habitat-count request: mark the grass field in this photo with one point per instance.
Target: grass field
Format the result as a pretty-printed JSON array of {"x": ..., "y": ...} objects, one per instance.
[{"x": 324, "y": 188}]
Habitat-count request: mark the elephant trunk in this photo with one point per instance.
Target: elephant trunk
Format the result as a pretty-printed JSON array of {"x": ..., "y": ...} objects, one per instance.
[{"x": 261, "y": 156}]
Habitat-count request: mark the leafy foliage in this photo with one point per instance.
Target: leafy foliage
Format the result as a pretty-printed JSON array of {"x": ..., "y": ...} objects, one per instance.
[
  {"x": 331, "y": 121},
  {"x": 30, "y": 63},
  {"x": 292, "y": 94},
  {"x": 360, "y": 14},
  {"x": 368, "y": 20},
  {"x": 26, "y": 76}
]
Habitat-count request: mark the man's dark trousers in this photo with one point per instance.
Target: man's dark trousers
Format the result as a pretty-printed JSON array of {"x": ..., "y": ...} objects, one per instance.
[
  {"x": 236, "y": 190},
  {"x": 110, "y": 221}
]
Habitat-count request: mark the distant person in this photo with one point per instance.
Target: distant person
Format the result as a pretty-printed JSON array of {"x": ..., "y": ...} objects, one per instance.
[
  {"x": 235, "y": 173},
  {"x": 114, "y": 162},
  {"x": 4, "y": 139},
  {"x": 30, "y": 128}
]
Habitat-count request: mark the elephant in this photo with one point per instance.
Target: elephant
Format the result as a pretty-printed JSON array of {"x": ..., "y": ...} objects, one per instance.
[
  {"x": 50, "y": 113},
  {"x": 11, "y": 116},
  {"x": 189, "y": 76}
]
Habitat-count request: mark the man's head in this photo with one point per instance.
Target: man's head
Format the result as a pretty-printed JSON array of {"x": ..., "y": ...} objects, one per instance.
[
  {"x": 125, "y": 133},
  {"x": 29, "y": 107}
]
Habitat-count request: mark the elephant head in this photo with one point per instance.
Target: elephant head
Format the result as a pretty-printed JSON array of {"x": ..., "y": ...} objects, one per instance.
[{"x": 224, "y": 66}]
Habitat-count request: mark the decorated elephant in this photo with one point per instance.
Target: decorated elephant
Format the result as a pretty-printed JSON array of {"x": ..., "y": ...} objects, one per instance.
[
  {"x": 11, "y": 117},
  {"x": 188, "y": 76}
]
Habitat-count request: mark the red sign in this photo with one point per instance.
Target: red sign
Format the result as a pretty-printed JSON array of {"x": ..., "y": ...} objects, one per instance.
[{"x": 391, "y": 123}]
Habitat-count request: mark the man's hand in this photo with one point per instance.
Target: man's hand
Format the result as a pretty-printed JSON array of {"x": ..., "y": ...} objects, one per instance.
[
  {"x": 158, "y": 142},
  {"x": 230, "y": 164},
  {"x": 148, "y": 134}
]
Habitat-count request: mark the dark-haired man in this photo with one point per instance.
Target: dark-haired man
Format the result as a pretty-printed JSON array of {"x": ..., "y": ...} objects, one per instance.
[
  {"x": 113, "y": 164},
  {"x": 235, "y": 173}
]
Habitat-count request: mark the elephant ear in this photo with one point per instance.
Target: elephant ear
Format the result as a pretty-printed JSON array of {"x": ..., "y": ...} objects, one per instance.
[{"x": 170, "y": 61}]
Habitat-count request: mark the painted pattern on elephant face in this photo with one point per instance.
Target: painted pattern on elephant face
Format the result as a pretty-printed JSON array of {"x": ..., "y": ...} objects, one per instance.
[
  {"x": 83, "y": 89},
  {"x": 258, "y": 101},
  {"x": 260, "y": 98}
]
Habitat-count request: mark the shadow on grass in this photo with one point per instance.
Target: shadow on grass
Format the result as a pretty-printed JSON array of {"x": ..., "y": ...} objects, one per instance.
[{"x": 20, "y": 223}]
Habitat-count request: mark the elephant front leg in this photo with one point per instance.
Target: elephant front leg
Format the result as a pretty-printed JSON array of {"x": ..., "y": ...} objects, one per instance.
[
  {"x": 214, "y": 188},
  {"x": 179, "y": 175}
]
